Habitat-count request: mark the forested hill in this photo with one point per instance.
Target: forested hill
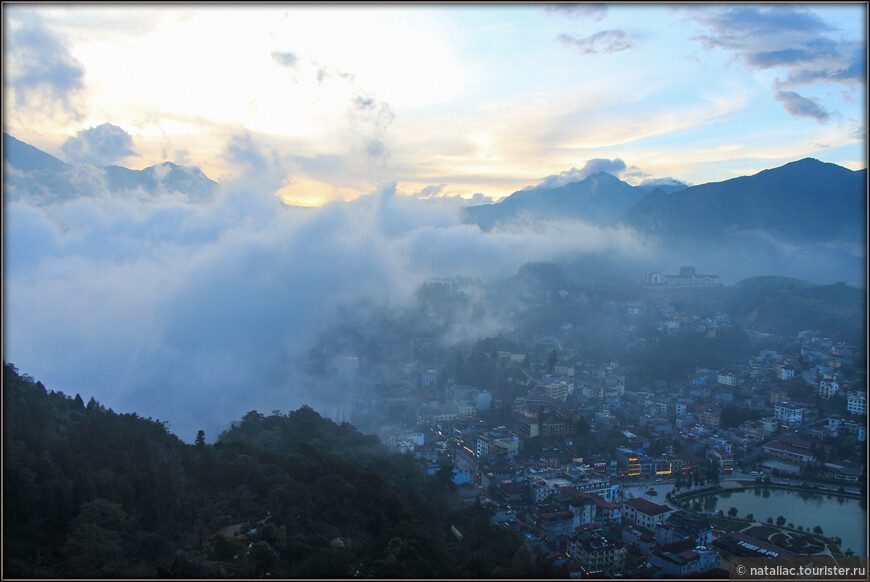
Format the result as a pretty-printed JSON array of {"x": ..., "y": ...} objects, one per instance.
[{"x": 92, "y": 493}]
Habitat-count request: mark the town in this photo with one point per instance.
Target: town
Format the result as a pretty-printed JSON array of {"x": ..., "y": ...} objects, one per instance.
[{"x": 610, "y": 471}]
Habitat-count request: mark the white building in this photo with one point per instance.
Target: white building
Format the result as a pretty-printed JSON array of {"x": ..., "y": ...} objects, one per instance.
[
  {"x": 728, "y": 379},
  {"x": 789, "y": 415},
  {"x": 857, "y": 403},
  {"x": 828, "y": 387},
  {"x": 644, "y": 513}
]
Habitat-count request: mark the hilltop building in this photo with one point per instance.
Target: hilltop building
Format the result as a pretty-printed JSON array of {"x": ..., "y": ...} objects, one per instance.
[{"x": 687, "y": 276}]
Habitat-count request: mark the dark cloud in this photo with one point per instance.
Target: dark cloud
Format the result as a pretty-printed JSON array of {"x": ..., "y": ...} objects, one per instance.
[
  {"x": 285, "y": 59},
  {"x": 733, "y": 26},
  {"x": 788, "y": 37},
  {"x": 585, "y": 11},
  {"x": 38, "y": 66},
  {"x": 99, "y": 146},
  {"x": 800, "y": 106},
  {"x": 606, "y": 41},
  {"x": 847, "y": 64}
]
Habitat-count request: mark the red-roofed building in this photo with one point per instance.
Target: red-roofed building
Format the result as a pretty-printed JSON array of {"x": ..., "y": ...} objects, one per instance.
[{"x": 673, "y": 565}]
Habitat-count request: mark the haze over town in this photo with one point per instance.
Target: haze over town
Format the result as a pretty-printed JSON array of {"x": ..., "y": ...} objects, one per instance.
[{"x": 391, "y": 118}]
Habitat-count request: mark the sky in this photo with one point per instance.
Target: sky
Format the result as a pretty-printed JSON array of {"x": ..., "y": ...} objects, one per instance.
[
  {"x": 385, "y": 120},
  {"x": 461, "y": 98}
]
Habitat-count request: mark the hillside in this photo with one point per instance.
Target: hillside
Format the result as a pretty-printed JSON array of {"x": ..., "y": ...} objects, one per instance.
[
  {"x": 803, "y": 201},
  {"x": 786, "y": 306},
  {"x": 40, "y": 178},
  {"x": 92, "y": 493},
  {"x": 600, "y": 198}
]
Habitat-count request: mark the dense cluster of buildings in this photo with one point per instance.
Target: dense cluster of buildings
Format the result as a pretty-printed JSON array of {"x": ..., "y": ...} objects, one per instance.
[{"x": 520, "y": 456}]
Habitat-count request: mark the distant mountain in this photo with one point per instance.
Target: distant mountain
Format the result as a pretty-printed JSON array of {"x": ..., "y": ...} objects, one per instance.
[
  {"x": 599, "y": 198},
  {"x": 27, "y": 158},
  {"x": 800, "y": 202},
  {"x": 806, "y": 219},
  {"x": 34, "y": 175}
]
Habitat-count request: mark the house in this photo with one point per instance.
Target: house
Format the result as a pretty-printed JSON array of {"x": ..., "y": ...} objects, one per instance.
[
  {"x": 596, "y": 552},
  {"x": 512, "y": 491},
  {"x": 789, "y": 415},
  {"x": 696, "y": 561},
  {"x": 644, "y": 513},
  {"x": 789, "y": 451},
  {"x": 828, "y": 387},
  {"x": 640, "y": 538},
  {"x": 681, "y": 525},
  {"x": 555, "y": 523},
  {"x": 856, "y": 403}
]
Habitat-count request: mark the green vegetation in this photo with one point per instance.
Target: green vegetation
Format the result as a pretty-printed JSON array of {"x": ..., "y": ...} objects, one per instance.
[
  {"x": 785, "y": 306},
  {"x": 92, "y": 493},
  {"x": 675, "y": 356}
]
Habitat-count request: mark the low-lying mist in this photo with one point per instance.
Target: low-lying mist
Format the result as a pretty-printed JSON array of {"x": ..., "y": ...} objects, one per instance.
[{"x": 196, "y": 313}]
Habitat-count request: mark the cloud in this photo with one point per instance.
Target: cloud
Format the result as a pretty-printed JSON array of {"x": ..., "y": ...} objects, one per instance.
[
  {"x": 614, "y": 167},
  {"x": 606, "y": 41},
  {"x": 293, "y": 62},
  {"x": 369, "y": 119},
  {"x": 102, "y": 145},
  {"x": 430, "y": 191},
  {"x": 790, "y": 38},
  {"x": 734, "y": 26},
  {"x": 666, "y": 181},
  {"x": 325, "y": 73},
  {"x": 593, "y": 12},
  {"x": 198, "y": 313},
  {"x": 800, "y": 106},
  {"x": 182, "y": 157},
  {"x": 39, "y": 67},
  {"x": 285, "y": 59}
]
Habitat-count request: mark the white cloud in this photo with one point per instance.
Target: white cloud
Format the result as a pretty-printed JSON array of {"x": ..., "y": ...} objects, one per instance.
[{"x": 198, "y": 313}]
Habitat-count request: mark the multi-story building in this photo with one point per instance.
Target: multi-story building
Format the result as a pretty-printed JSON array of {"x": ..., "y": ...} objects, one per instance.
[
  {"x": 639, "y": 538},
  {"x": 727, "y": 378},
  {"x": 778, "y": 395},
  {"x": 644, "y": 513},
  {"x": 789, "y": 451},
  {"x": 785, "y": 371},
  {"x": 828, "y": 387},
  {"x": 710, "y": 418},
  {"x": 696, "y": 561},
  {"x": 552, "y": 524},
  {"x": 557, "y": 390},
  {"x": 429, "y": 379},
  {"x": 789, "y": 416},
  {"x": 856, "y": 403},
  {"x": 596, "y": 553},
  {"x": 596, "y": 485},
  {"x": 681, "y": 525}
]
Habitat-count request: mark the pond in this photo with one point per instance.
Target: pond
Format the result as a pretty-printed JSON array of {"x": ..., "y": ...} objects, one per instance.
[{"x": 837, "y": 516}]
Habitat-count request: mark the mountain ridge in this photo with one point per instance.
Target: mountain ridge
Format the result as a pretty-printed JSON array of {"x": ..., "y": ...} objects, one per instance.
[{"x": 41, "y": 177}]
